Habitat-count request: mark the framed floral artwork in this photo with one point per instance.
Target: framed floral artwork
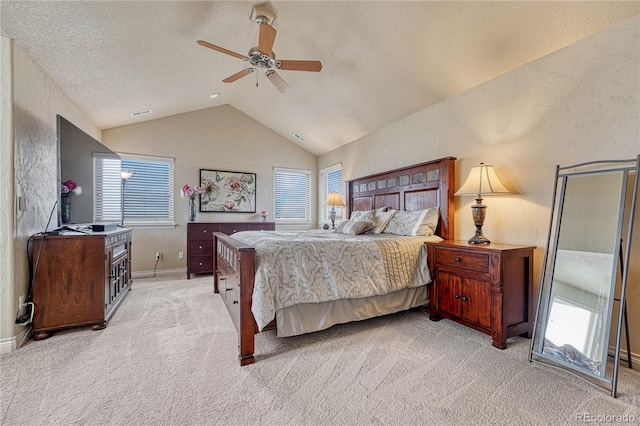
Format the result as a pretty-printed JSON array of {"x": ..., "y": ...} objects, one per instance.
[{"x": 229, "y": 192}]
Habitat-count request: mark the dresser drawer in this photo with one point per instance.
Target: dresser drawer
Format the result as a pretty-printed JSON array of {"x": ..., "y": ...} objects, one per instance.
[
  {"x": 261, "y": 226},
  {"x": 459, "y": 261},
  {"x": 232, "y": 228},
  {"x": 200, "y": 264},
  {"x": 202, "y": 231},
  {"x": 201, "y": 247}
]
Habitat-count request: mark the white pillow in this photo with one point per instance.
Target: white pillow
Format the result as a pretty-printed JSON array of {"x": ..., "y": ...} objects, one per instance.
[
  {"x": 380, "y": 221},
  {"x": 358, "y": 213},
  {"x": 353, "y": 227},
  {"x": 421, "y": 222}
]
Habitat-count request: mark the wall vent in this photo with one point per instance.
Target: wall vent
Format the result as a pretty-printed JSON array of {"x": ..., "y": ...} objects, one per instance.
[
  {"x": 300, "y": 138},
  {"x": 143, "y": 112}
]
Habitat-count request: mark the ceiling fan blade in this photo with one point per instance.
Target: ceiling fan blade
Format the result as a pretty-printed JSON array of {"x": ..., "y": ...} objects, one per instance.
[
  {"x": 277, "y": 81},
  {"x": 238, "y": 75},
  {"x": 221, "y": 49},
  {"x": 314, "y": 66},
  {"x": 266, "y": 39}
]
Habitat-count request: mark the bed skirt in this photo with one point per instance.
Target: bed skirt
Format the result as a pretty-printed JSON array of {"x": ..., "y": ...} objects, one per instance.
[{"x": 310, "y": 317}]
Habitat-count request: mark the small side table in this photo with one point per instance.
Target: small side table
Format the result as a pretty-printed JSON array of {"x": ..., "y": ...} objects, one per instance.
[{"x": 486, "y": 287}]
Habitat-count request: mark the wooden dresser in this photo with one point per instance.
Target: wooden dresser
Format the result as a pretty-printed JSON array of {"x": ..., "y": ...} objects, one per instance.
[
  {"x": 485, "y": 287},
  {"x": 200, "y": 241},
  {"x": 80, "y": 279}
]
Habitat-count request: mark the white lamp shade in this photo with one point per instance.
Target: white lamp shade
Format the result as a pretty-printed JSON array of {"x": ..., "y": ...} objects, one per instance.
[
  {"x": 126, "y": 174},
  {"x": 482, "y": 180},
  {"x": 334, "y": 200}
]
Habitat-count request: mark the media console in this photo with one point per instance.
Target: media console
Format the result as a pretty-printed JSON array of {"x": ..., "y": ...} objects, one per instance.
[{"x": 80, "y": 279}]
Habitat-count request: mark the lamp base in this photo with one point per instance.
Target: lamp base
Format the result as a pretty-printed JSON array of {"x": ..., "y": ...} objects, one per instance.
[
  {"x": 479, "y": 211},
  {"x": 332, "y": 216}
]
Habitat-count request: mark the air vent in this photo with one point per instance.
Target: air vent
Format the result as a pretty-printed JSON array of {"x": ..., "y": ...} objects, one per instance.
[
  {"x": 137, "y": 113},
  {"x": 300, "y": 138}
]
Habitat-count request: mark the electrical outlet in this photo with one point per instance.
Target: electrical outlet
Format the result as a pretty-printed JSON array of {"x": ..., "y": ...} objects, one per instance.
[
  {"x": 158, "y": 256},
  {"x": 180, "y": 255}
]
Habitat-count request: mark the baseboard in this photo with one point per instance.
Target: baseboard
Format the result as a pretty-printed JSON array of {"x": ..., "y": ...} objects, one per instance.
[
  {"x": 159, "y": 273},
  {"x": 11, "y": 344},
  {"x": 635, "y": 357}
]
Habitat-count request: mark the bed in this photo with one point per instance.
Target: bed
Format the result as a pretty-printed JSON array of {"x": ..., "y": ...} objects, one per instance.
[{"x": 250, "y": 268}]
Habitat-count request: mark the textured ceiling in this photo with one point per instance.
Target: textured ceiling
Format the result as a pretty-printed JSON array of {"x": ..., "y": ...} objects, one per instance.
[{"x": 382, "y": 60}]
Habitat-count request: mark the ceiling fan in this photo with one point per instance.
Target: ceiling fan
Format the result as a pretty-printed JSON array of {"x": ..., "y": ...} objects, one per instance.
[{"x": 263, "y": 58}]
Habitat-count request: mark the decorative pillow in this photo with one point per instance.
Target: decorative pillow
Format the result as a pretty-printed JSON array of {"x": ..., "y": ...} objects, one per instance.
[
  {"x": 421, "y": 222},
  {"x": 353, "y": 227},
  {"x": 358, "y": 213},
  {"x": 380, "y": 220},
  {"x": 382, "y": 209}
]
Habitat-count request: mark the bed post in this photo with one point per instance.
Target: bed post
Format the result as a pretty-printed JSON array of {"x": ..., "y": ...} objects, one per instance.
[{"x": 246, "y": 333}]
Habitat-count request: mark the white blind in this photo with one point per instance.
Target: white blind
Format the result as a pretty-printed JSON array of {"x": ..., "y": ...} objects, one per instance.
[
  {"x": 148, "y": 193},
  {"x": 330, "y": 181},
  {"x": 106, "y": 188},
  {"x": 292, "y": 190}
]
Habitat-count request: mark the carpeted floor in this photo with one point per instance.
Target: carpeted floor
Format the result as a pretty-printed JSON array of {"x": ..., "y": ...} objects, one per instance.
[{"x": 168, "y": 357}]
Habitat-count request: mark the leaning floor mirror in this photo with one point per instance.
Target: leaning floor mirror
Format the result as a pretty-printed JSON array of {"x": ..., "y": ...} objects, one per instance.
[{"x": 581, "y": 301}]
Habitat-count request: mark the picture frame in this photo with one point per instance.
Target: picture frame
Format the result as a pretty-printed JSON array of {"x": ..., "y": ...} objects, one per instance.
[{"x": 227, "y": 192}]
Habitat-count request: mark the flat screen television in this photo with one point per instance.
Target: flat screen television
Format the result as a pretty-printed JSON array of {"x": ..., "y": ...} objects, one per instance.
[{"x": 76, "y": 153}]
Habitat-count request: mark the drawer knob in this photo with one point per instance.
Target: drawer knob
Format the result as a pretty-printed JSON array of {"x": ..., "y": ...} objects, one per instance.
[
  {"x": 458, "y": 259},
  {"x": 200, "y": 247},
  {"x": 465, "y": 298},
  {"x": 200, "y": 263},
  {"x": 235, "y": 302},
  {"x": 457, "y": 296},
  {"x": 228, "y": 289},
  {"x": 205, "y": 231},
  {"x": 222, "y": 279}
]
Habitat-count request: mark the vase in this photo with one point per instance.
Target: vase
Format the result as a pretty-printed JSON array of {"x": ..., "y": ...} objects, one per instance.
[
  {"x": 263, "y": 218},
  {"x": 192, "y": 209},
  {"x": 65, "y": 208}
]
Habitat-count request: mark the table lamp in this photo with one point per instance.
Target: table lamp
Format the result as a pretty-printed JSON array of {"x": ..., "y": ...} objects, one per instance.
[
  {"x": 482, "y": 180},
  {"x": 333, "y": 200}
]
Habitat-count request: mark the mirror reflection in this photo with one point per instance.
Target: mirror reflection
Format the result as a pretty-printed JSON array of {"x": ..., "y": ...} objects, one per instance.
[{"x": 579, "y": 302}]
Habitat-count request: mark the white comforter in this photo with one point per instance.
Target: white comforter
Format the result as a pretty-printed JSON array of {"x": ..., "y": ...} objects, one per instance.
[{"x": 318, "y": 266}]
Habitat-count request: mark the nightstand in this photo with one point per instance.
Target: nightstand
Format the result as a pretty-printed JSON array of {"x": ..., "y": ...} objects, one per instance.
[{"x": 485, "y": 287}]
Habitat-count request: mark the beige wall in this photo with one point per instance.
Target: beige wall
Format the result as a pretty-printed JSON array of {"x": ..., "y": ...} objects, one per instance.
[
  {"x": 575, "y": 105},
  {"x": 36, "y": 101},
  {"x": 220, "y": 138}
]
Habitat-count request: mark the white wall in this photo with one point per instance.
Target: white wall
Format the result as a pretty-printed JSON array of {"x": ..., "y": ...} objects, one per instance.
[
  {"x": 220, "y": 138},
  {"x": 36, "y": 101},
  {"x": 576, "y": 105}
]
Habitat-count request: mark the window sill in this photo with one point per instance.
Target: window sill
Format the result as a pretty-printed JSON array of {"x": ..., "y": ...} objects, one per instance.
[{"x": 150, "y": 225}]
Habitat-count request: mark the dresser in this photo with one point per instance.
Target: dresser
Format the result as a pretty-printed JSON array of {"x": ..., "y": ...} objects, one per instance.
[
  {"x": 200, "y": 241},
  {"x": 79, "y": 279},
  {"x": 486, "y": 287}
]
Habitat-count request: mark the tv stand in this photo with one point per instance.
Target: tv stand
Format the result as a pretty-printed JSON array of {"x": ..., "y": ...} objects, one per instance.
[{"x": 80, "y": 279}]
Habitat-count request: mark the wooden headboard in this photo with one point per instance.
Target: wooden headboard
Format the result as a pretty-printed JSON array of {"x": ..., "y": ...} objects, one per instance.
[{"x": 411, "y": 188}]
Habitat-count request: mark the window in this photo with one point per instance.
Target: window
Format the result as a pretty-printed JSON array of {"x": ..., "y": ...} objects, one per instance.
[
  {"x": 292, "y": 200},
  {"x": 148, "y": 193},
  {"x": 330, "y": 181},
  {"x": 106, "y": 187}
]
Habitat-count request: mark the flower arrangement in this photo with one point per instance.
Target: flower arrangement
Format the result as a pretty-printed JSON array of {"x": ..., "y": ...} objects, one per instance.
[
  {"x": 69, "y": 186},
  {"x": 263, "y": 215},
  {"x": 190, "y": 192}
]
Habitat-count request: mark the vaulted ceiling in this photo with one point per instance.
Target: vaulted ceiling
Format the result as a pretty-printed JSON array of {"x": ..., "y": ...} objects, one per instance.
[{"x": 382, "y": 60}]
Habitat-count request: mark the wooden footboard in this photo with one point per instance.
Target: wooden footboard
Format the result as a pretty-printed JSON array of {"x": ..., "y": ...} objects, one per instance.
[{"x": 233, "y": 263}]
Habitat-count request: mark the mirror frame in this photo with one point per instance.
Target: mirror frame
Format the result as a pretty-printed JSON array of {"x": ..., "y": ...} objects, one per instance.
[{"x": 628, "y": 169}]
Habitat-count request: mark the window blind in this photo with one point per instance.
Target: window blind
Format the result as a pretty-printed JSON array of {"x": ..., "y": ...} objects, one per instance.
[
  {"x": 292, "y": 190},
  {"x": 106, "y": 188},
  {"x": 148, "y": 193},
  {"x": 330, "y": 181}
]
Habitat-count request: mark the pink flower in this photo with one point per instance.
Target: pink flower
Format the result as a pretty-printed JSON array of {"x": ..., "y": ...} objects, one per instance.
[
  {"x": 70, "y": 186},
  {"x": 190, "y": 192},
  {"x": 234, "y": 185},
  {"x": 229, "y": 205},
  {"x": 263, "y": 213}
]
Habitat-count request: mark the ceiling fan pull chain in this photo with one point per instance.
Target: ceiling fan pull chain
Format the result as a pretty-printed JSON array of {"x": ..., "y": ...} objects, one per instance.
[{"x": 257, "y": 79}]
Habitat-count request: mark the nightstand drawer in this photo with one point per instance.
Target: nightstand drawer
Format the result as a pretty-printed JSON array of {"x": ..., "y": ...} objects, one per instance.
[{"x": 454, "y": 260}]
